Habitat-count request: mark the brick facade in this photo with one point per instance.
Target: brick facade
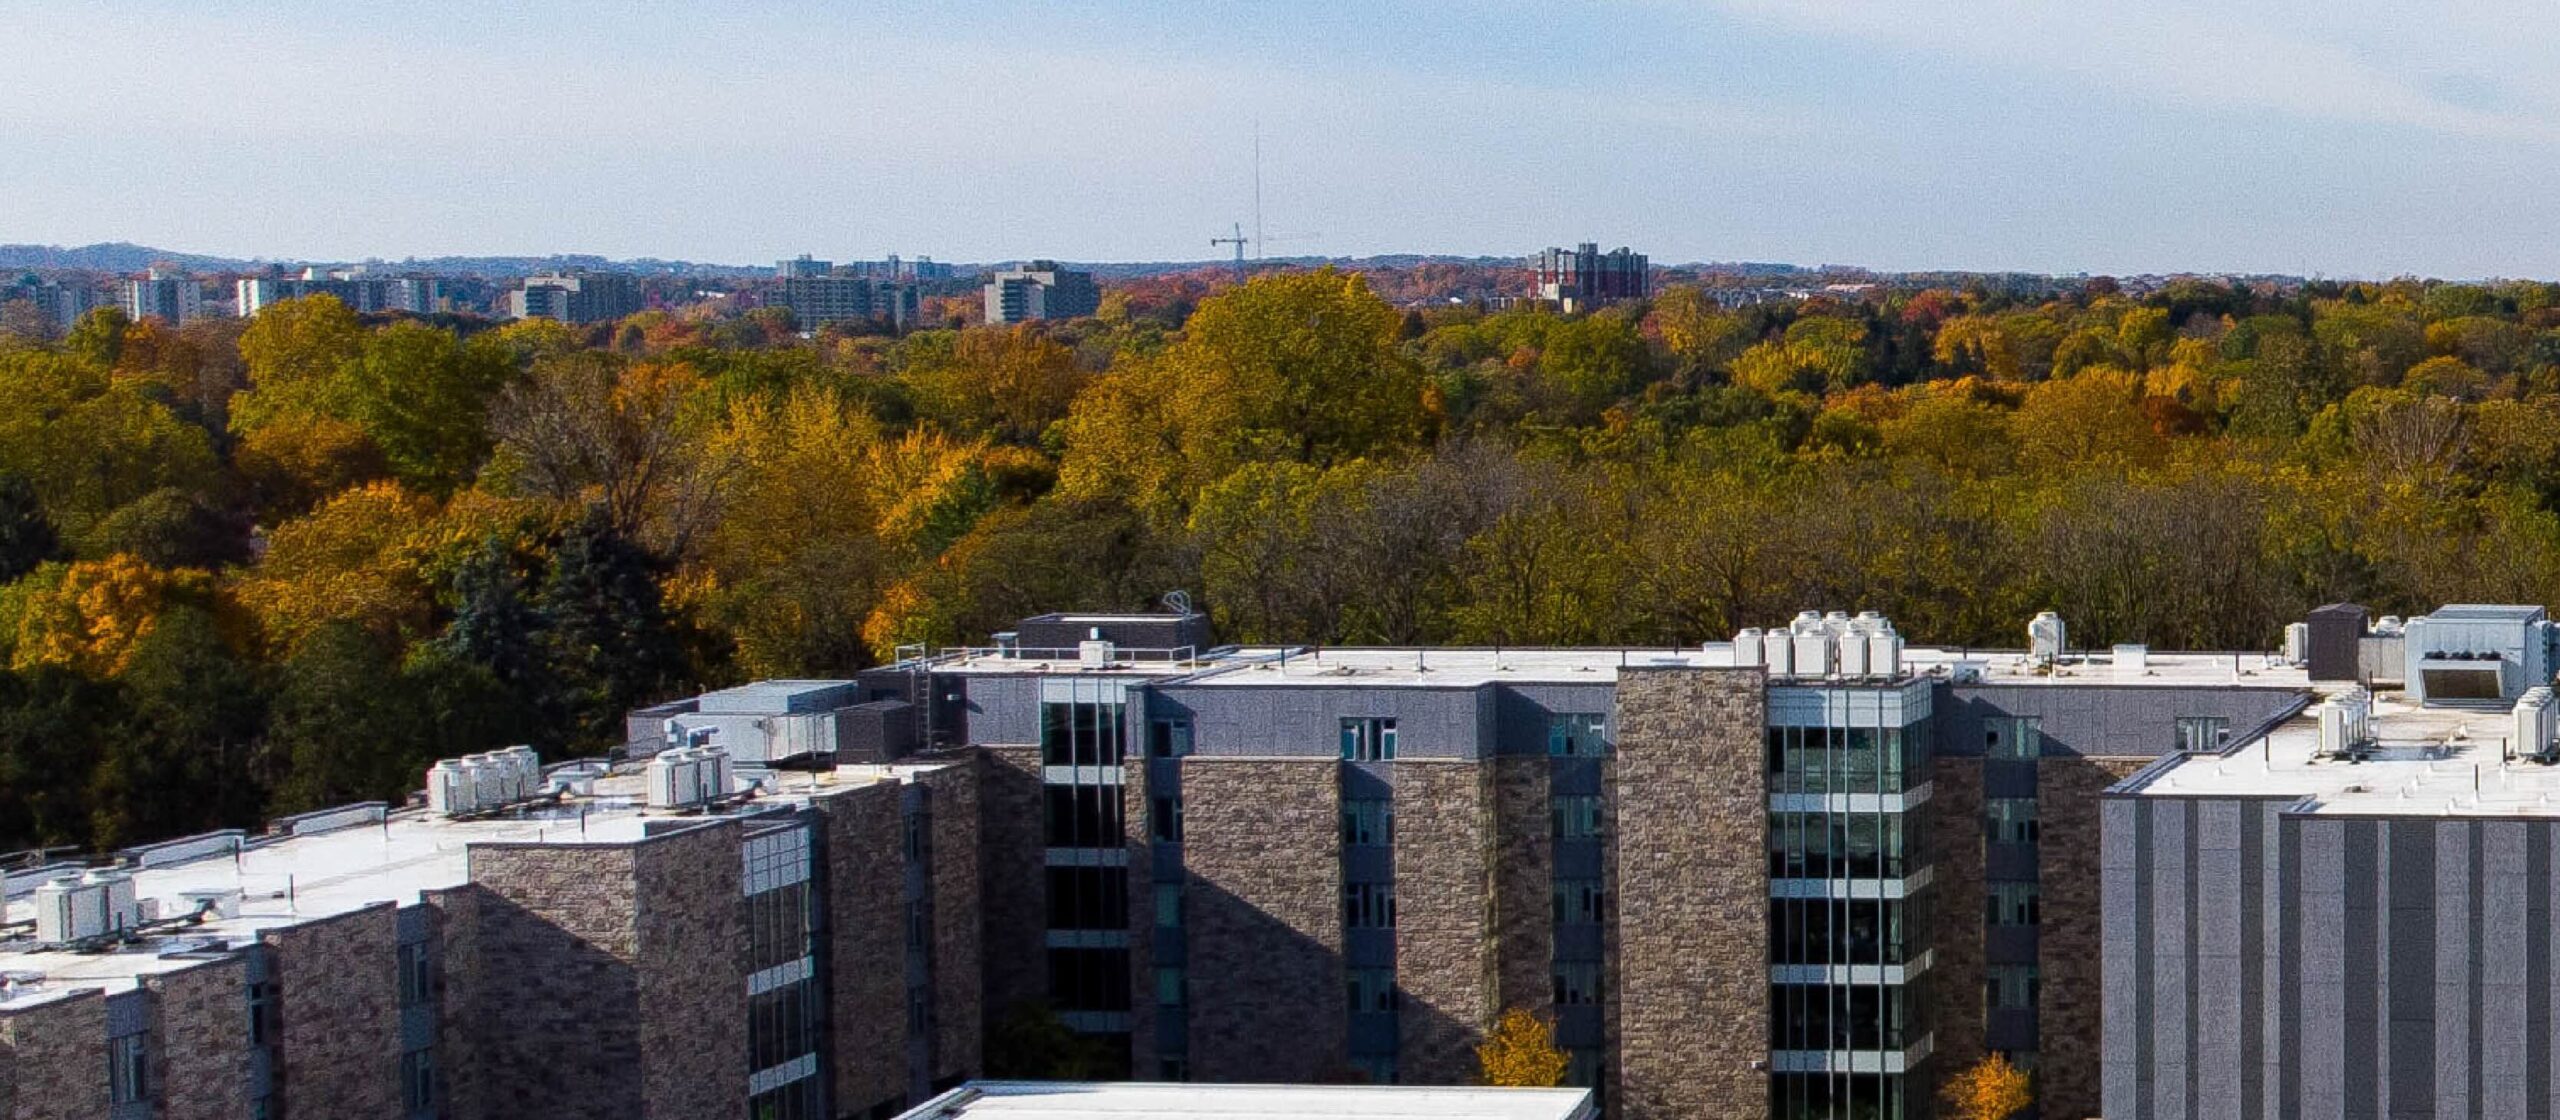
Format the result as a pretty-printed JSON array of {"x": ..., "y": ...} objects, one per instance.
[
  {"x": 1952, "y": 824},
  {"x": 555, "y": 1004},
  {"x": 867, "y": 944},
  {"x": 959, "y": 964},
  {"x": 1444, "y": 946},
  {"x": 1262, "y": 843},
  {"x": 52, "y": 1060},
  {"x": 200, "y": 1040},
  {"x": 338, "y": 990},
  {"x": 691, "y": 972},
  {"x": 1014, "y": 892},
  {"x": 1693, "y": 894},
  {"x": 2068, "y": 944},
  {"x": 1523, "y": 874}
]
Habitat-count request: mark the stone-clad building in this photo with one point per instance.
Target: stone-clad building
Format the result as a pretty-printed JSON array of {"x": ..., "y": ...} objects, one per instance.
[
  {"x": 566, "y": 949},
  {"x": 1806, "y": 873}
]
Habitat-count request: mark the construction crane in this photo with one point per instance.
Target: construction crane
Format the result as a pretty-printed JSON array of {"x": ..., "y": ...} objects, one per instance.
[{"x": 1239, "y": 241}]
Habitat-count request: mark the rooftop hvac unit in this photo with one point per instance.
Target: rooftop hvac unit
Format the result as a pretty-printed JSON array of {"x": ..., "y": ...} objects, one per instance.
[
  {"x": 1884, "y": 653},
  {"x": 493, "y": 778},
  {"x": 2046, "y": 637},
  {"x": 2132, "y": 660},
  {"x": 2389, "y": 624},
  {"x": 2297, "y": 643},
  {"x": 684, "y": 779},
  {"x": 1814, "y": 654},
  {"x": 79, "y": 907},
  {"x": 1747, "y": 648},
  {"x": 1779, "y": 650},
  {"x": 1807, "y": 622},
  {"x": 1853, "y": 655},
  {"x": 2535, "y": 720},
  {"x": 449, "y": 792},
  {"x": 216, "y": 902},
  {"x": 1094, "y": 653}
]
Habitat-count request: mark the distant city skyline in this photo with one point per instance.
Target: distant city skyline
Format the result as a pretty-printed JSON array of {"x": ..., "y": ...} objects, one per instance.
[{"x": 2351, "y": 139}]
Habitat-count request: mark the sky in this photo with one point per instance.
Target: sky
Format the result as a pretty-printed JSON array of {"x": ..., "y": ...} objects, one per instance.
[{"x": 2340, "y": 138}]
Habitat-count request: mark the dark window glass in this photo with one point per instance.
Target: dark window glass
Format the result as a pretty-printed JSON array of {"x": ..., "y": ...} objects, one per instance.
[
  {"x": 1088, "y": 897},
  {"x": 781, "y": 1024},
  {"x": 777, "y": 926},
  {"x": 1084, "y": 817},
  {"x": 1369, "y": 906},
  {"x": 1089, "y": 979}
]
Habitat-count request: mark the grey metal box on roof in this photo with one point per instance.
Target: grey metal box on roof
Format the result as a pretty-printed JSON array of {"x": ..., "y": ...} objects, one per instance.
[{"x": 780, "y": 697}]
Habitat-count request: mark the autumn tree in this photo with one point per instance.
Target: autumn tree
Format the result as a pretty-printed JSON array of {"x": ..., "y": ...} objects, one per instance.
[
  {"x": 1521, "y": 1052},
  {"x": 1990, "y": 1089}
]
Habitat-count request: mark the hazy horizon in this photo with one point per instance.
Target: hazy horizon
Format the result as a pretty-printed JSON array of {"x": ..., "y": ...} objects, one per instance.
[{"x": 2352, "y": 140}]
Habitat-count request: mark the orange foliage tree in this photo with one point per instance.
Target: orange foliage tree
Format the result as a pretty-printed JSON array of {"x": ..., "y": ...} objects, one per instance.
[
  {"x": 1521, "y": 1052},
  {"x": 1990, "y": 1089}
]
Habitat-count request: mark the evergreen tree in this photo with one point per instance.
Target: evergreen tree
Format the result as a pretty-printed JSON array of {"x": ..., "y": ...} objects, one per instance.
[
  {"x": 347, "y": 729},
  {"x": 195, "y": 714},
  {"x": 611, "y": 647},
  {"x": 26, "y": 534}
]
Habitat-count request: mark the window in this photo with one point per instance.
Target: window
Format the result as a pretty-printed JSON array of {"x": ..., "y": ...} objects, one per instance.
[
  {"x": 1380, "y": 1069},
  {"x": 2010, "y": 820},
  {"x": 1169, "y": 905},
  {"x": 1168, "y": 738},
  {"x": 1574, "y": 817},
  {"x": 1368, "y": 740},
  {"x": 1089, "y": 979},
  {"x": 777, "y": 926},
  {"x": 1577, "y": 735},
  {"x": 1088, "y": 897},
  {"x": 418, "y": 1082},
  {"x": 416, "y": 983},
  {"x": 2019, "y": 737},
  {"x": 1370, "y": 990},
  {"x": 1369, "y": 906},
  {"x": 1084, "y": 817},
  {"x": 2010, "y": 987},
  {"x": 2012, "y": 904},
  {"x": 919, "y": 927},
  {"x": 797, "y": 1100},
  {"x": 128, "y": 1064},
  {"x": 1578, "y": 902},
  {"x": 781, "y": 1024},
  {"x": 2202, "y": 734},
  {"x": 1846, "y": 1017},
  {"x": 1584, "y": 1069},
  {"x": 915, "y": 836},
  {"x": 1169, "y": 985},
  {"x": 1577, "y": 983},
  {"x": 265, "y": 1014},
  {"x": 1165, "y": 819},
  {"x": 1173, "y": 1069},
  {"x": 1082, "y": 734},
  {"x": 1837, "y": 845},
  {"x": 1368, "y": 820},
  {"x": 1858, "y": 931},
  {"x": 1847, "y": 759}
]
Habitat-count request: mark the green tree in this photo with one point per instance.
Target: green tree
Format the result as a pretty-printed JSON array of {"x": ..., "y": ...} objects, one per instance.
[
  {"x": 297, "y": 351},
  {"x": 26, "y": 534},
  {"x": 605, "y": 631},
  {"x": 347, "y": 729}
]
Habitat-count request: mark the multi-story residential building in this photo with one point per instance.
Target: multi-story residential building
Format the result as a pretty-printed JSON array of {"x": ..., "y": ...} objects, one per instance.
[
  {"x": 585, "y": 297},
  {"x": 2349, "y": 914},
  {"x": 173, "y": 299},
  {"x": 58, "y": 305},
  {"x": 1041, "y": 290},
  {"x": 1083, "y": 1100},
  {"x": 673, "y": 942},
  {"x": 362, "y": 293},
  {"x": 1584, "y": 278},
  {"x": 1806, "y": 873}
]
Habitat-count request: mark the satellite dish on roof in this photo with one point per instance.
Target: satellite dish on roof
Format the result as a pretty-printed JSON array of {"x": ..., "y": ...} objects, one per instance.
[{"x": 1179, "y": 602}]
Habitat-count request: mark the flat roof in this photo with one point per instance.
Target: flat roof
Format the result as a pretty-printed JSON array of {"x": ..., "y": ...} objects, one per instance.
[
  {"x": 396, "y": 858},
  {"x": 2430, "y": 762},
  {"x": 1079, "y": 1100},
  {"x": 1455, "y": 667}
]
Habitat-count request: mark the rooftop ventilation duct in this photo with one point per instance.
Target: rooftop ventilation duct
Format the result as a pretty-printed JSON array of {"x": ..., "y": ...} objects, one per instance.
[{"x": 2046, "y": 638}]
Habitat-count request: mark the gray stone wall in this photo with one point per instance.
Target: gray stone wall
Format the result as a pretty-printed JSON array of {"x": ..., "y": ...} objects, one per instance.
[
  {"x": 1134, "y": 797},
  {"x": 1693, "y": 894},
  {"x": 338, "y": 988},
  {"x": 1444, "y": 947},
  {"x": 2094, "y": 717},
  {"x": 53, "y": 1060},
  {"x": 464, "y": 999},
  {"x": 1263, "y": 847},
  {"x": 1011, "y": 879},
  {"x": 867, "y": 944},
  {"x": 553, "y": 999},
  {"x": 2069, "y": 939},
  {"x": 692, "y": 974},
  {"x": 200, "y": 1040},
  {"x": 1524, "y": 875},
  {"x": 1953, "y": 826},
  {"x": 1293, "y": 721},
  {"x": 958, "y": 877}
]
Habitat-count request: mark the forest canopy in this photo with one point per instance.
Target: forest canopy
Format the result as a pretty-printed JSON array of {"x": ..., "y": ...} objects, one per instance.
[{"x": 263, "y": 567}]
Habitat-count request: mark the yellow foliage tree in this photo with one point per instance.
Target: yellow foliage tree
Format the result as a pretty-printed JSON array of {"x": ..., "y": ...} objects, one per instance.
[
  {"x": 356, "y": 558},
  {"x": 1521, "y": 1052},
  {"x": 1990, "y": 1089},
  {"x": 101, "y": 610}
]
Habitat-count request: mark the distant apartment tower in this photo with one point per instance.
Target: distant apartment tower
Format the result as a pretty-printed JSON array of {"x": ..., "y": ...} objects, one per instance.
[
  {"x": 1041, "y": 290},
  {"x": 172, "y": 299},
  {"x": 586, "y": 297},
  {"x": 818, "y": 294},
  {"x": 361, "y": 293},
  {"x": 62, "y": 305},
  {"x": 1584, "y": 278}
]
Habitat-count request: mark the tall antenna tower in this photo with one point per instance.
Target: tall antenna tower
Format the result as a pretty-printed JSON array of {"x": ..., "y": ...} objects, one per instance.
[{"x": 1238, "y": 242}]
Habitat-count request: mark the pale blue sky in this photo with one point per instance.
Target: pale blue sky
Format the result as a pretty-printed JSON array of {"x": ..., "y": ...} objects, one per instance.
[{"x": 2344, "y": 137}]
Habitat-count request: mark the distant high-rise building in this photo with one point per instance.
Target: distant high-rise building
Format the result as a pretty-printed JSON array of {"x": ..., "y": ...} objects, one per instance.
[
  {"x": 816, "y": 301},
  {"x": 1584, "y": 278},
  {"x": 802, "y": 267},
  {"x": 173, "y": 299},
  {"x": 62, "y": 305},
  {"x": 1041, "y": 290},
  {"x": 361, "y": 293},
  {"x": 585, "y": 297}
]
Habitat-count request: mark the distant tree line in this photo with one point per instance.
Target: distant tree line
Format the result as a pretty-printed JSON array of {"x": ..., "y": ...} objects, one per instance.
[{"x": 257, "y": 567}]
